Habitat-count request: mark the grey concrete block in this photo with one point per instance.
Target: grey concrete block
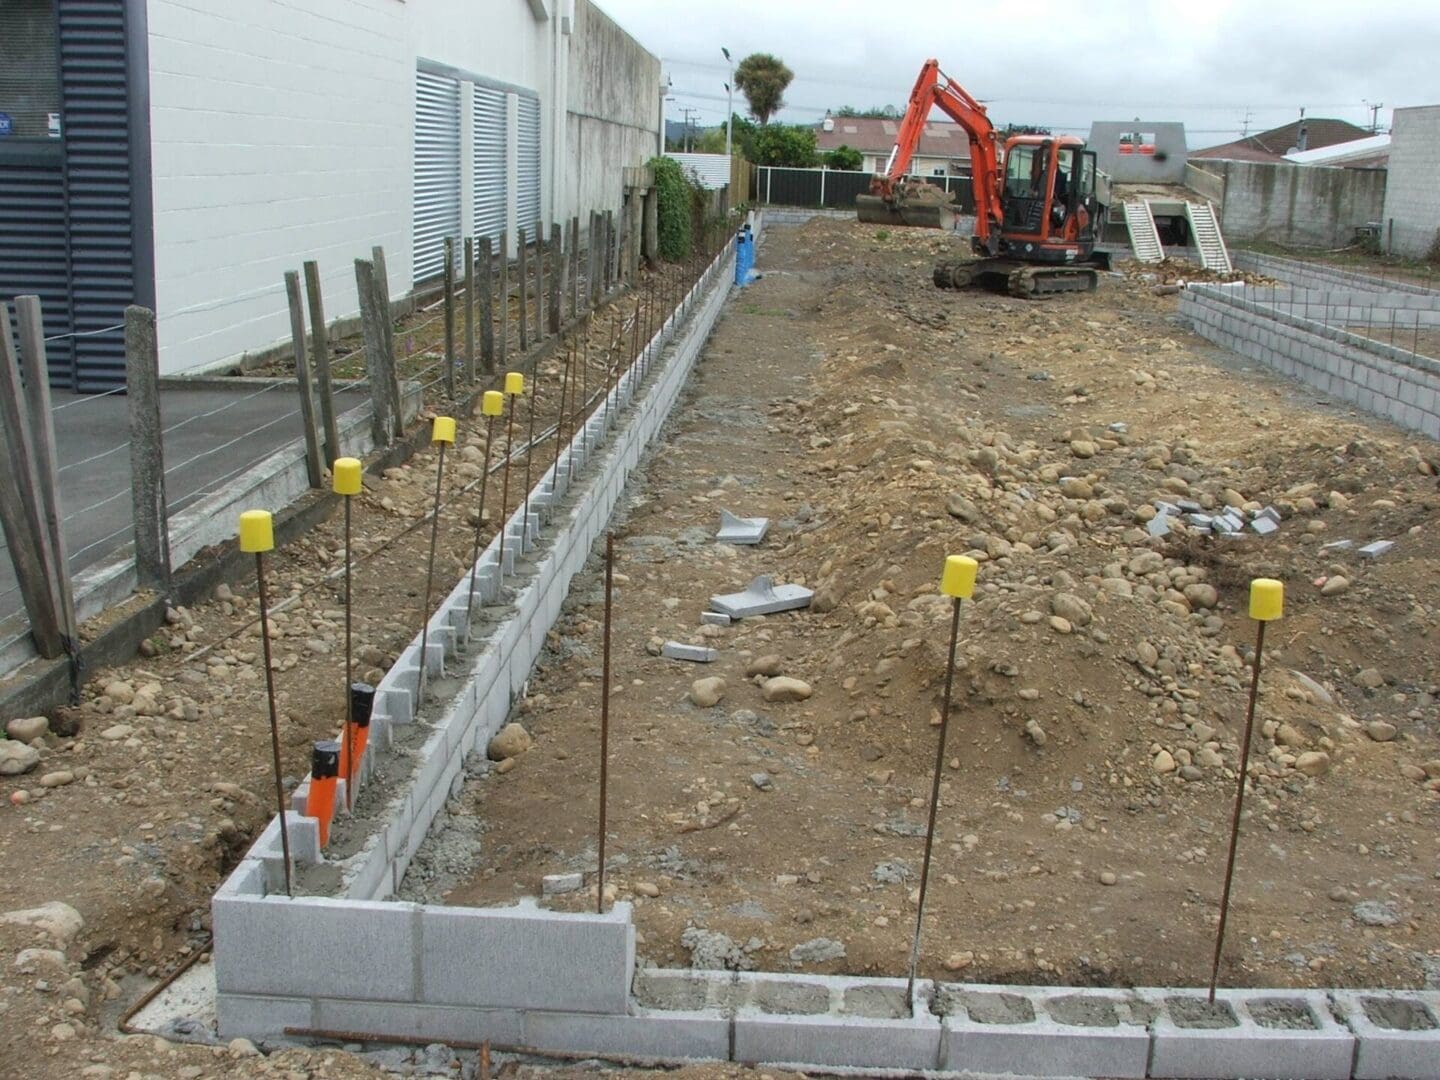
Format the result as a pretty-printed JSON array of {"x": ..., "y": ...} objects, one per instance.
[
  {"x": 676, "y": 650},
  {"x": 1397, "y": 1032},
  {"x": 1038, "y": 1032},
  {"x": 714, "y": 618},
  {"x": 1376, "y": 548},
  {"x": 645, "y": 1033},
  {"x": 526, "y": 958},
  {"x": 762, "y": 597},
  {"x": 252, "y": 1015},
  {"x": 835, "y": 1041},
  {"x": 307, "y": 946},
  {"x": 420, "y": 1022},
  {"x": 1280, "y": 1034}
]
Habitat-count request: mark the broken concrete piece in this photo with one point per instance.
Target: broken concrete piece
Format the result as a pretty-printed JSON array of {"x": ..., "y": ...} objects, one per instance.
[
  {"x": 762, "y": 597},
  {"x": 714, "y": 618},
  {"x": 1264, "y": 526},
  {"x": 1159, "y": 525},
  {"x": 1376, "y": 549},
  {"x": 738, "y": 530},
  {"x": 1270, "y": 513},
  {"x": 676, "y": 650},
  {"x": 1338, "y": 545}
]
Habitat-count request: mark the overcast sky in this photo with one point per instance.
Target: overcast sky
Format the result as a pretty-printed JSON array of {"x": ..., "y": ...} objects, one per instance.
[{"x": 1208, "y": 63}]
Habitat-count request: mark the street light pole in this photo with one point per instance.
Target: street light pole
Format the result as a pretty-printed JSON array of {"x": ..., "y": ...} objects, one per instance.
[{"x": 729, "y": 99}]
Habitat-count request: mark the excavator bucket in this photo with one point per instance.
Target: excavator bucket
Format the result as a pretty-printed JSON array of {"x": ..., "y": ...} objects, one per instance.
[{"x": 916, "y": 205}]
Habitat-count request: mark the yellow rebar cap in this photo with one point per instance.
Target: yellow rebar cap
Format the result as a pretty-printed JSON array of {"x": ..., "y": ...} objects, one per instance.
[
  {"x": 514, "y": 382},
  {"x": 959, "y": 577},
  {"x": 257, "y": 531},
  {"x": 346, "y": 476},
  {"x": 1267, "y": 599},
  {"x": 443, "y": 430},
  {"x": 493, "y": 403}
]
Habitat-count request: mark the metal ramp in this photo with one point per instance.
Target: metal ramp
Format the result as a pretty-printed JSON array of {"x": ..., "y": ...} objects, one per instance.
[
  {"x": 1144, "y": 238},
  {"x": 1205, "y": 230}
]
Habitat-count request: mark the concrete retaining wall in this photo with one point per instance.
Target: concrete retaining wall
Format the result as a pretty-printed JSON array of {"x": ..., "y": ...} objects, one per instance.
[{"x": 1303, "y": 205}]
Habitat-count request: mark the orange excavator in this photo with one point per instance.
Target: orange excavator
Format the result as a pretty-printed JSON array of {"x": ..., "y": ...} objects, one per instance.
[{"x": 1038, "y": 199}]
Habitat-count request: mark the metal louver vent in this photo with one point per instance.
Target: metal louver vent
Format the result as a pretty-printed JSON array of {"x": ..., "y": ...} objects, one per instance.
[
  {"x": 490, "y": 142},
  {"x": 437, "y": 171},
  {"x": 527, "y": 178}
]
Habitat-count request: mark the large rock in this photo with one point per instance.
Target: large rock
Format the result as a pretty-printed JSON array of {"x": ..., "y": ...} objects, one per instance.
[
  {"x": 17, "y": 758},
  {"x": 785, "y": 688},
  {"x": 57, "y": 918},
  {"x": 510, "y": 741},
  {"x": 1071, "y": 608},
  {"x": 769, "y": 666},
  {"x": 28, "y": 728},
  {"x": 1313, "y": 762},
  {"x": 706, "y": 693}
]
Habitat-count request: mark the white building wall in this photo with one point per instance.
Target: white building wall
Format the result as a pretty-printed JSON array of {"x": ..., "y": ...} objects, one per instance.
[
  {"x": 1411, "y": 224},
  {"x": 282, "y": 130}
]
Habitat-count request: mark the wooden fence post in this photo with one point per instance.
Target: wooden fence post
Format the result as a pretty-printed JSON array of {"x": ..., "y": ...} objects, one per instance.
[
  {"x": 592, "y": 264},
  {"x": 25, "y": 533},
  {"x": 469, "y": 310},
  {"x": 320, "y": 358},
  {"x": 30, "y": 321},
  {"x": 487, "y": 307},
  {"x": 313, "y": 468},
  {"x": 612, "y": 250},
  {"x": 540, "y": 290},
  {"x": 374, "y": 332},
  {"x": 450, "y": 317},
  {"x": 575, "y": 267},
  {"x": 387, "y": 324},
  {"x": 147, "y": 450},
  {"x": 524, "y": 275},
  {"x": 557, "y": 276},
  {"x": 502, "y": 294}
]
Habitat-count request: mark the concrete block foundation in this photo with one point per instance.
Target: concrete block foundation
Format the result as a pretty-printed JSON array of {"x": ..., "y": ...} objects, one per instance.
[{"x": 1305, "y": 329}]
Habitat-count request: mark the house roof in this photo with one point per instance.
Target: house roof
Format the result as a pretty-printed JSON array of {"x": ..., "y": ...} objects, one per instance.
[
  {"x": 1371, "y": 152},
  {"x": 876, "y": 135},
  {"x": 1274, "y": 144}
]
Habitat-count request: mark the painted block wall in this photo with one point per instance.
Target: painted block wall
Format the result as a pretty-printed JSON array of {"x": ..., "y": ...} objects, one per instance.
[
  {"x": 1411, "y": 225},
  {"x": 1302, "y": 205},
  {"x": 282, "y": 130}
]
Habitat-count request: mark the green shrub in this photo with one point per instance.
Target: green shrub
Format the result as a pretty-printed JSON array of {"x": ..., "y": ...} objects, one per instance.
[{"x": 675, "y": 211}]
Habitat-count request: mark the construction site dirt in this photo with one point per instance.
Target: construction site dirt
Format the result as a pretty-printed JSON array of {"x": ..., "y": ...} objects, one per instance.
[{"x": 880, "y": 425}]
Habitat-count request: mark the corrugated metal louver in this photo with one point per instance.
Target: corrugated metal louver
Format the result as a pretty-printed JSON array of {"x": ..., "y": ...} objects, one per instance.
[
  {"x": 436, "y": 172},
  {"x": 527, "y": 172},
  {"x": 97, "y": 177},
  {"x": 32, "y": 248},
  {"x": 489, "y": 122}
]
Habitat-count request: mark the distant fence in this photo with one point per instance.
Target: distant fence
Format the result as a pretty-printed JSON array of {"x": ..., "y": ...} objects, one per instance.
[{"x": 774, "y": 185}]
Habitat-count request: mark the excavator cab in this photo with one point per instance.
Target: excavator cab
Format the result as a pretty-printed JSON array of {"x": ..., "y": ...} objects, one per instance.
[{"x": 1050, "y": 211}]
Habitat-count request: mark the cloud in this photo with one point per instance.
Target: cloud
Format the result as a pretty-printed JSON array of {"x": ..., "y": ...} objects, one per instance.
[{"x": 1054, "y": 63}]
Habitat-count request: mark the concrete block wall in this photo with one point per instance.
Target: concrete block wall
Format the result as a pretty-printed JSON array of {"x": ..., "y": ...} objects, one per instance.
[
  {"x": 436, "y": 971},
  {"x": 1304, "y": 205},
  {"x": 1389, "y": 382},
  {"x": 1411, "y": 222}
]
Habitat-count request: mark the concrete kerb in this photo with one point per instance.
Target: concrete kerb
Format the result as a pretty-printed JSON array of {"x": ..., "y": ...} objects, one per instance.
[{"x": 247, "y": 907}]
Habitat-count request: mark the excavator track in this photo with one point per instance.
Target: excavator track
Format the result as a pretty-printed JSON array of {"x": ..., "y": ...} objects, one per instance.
[
  {"x": 1037, "y": 282},
  {"x": 1025, "y": 282}
]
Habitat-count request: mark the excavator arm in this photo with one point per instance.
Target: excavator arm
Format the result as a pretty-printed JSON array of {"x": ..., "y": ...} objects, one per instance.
[{"x": 936, "y": 89}]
